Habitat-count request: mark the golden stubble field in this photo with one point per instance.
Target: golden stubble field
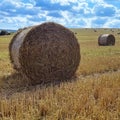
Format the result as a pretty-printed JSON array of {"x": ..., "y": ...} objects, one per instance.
[{"x": 94, "y": 94}]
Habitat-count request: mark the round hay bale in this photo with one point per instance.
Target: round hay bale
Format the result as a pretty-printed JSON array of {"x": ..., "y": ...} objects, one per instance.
[
  {"x": 106, "y": 39},
  {"x": 45, "y": 53}
]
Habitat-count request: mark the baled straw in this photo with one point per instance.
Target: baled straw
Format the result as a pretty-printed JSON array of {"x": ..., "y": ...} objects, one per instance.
[{"x": 48, "y": 52}]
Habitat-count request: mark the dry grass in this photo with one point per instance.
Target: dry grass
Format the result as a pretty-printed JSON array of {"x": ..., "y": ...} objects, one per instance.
[{"x": 93, "y": 95}]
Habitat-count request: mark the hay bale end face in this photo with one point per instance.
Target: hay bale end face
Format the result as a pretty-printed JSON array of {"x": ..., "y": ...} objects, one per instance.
[
  {"x": 45, "y": 53},
  {"x": 106, "y": 39},
  {"x": 14, "y": 46}
]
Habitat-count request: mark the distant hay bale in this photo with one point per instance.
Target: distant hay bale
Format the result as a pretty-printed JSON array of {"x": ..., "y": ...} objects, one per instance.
[
  {"x": 118, "y": 33},
  {"x": 75, "y": 32},
  {"x": 45, "y": 53},
  {"x": 106, "y": 39}
]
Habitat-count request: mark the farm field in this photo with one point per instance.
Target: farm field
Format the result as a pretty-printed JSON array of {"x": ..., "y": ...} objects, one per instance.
[{"x": 93, "y": 94}]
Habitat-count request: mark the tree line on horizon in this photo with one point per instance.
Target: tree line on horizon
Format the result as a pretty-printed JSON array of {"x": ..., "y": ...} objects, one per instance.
[{"x": 4, "y": 32}]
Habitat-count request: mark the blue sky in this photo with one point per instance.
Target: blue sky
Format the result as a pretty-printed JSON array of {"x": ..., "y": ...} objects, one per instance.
[{"x": 70, "y": 13}]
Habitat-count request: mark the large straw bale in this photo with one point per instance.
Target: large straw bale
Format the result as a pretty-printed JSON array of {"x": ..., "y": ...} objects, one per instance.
[
  {"x": 46, "y": 52},
  {"x": 106, "y": 39}
]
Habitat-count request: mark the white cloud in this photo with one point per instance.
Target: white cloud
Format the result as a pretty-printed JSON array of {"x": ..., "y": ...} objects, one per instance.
[
  {"x": 42, "y": 13},
  {"x": 66, "y": 19},
  {"x": 68, "y": 16},
  {"x": 117, "y": 15},
  {"x": 64, "y": 2},
  {"x": 70, "y": 13},
  {"x": 97, "y": 1},
  {"x": 82, "y": 7},
  {"x": 58, "y": 20},
  {"x": 4, "y": 13},
  {"x": 112, "y": 23}
]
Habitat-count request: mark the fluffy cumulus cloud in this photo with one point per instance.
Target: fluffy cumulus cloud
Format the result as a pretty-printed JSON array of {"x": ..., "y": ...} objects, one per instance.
[{"x": 70, "y": 13}]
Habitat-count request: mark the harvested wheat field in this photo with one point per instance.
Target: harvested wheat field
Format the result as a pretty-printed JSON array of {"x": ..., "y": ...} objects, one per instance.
[{"x": 93, "y": 94}]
